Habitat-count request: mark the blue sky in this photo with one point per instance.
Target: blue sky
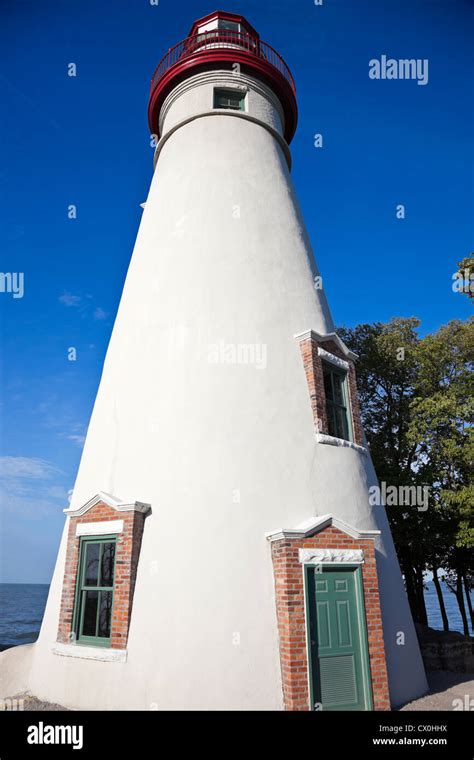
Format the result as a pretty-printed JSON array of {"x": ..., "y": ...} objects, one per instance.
[{"x": 84, "y": 140}]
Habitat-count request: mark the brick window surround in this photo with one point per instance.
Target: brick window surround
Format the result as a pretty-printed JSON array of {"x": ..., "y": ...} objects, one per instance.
[
  {"x": 314, "y": 349},
  {"x": 104, "y": 515},
  {"x": 329, "y": 534}
]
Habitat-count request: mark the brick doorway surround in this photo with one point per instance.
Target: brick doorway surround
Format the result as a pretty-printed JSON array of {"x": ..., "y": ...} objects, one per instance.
[{"x": 322, "y": 540}]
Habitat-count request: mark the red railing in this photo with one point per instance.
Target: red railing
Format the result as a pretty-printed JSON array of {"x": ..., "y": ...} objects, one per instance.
[{"x": 216, "y": 39}]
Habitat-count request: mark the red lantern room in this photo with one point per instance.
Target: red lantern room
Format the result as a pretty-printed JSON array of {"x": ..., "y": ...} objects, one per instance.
[{"x": 223, "y": 40}]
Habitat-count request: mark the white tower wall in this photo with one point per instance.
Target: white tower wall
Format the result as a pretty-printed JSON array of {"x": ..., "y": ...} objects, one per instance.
[{"x": 223, "y": 452}]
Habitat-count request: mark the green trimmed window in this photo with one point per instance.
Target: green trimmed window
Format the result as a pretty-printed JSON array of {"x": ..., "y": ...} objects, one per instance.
[
  {"x": 95, "y": 590},
  {"x": 233, "y": 99},
  {"x": 337, "y": 401}
]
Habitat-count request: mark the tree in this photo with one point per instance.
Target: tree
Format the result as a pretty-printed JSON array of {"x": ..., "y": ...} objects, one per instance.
[
  {"x": 464, "y": 277},
  {"x": 415, "y": 397},
  {"x": 441, "y": 427}
]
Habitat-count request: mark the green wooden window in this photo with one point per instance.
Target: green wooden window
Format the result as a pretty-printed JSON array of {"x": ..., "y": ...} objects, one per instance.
[
  {"x": 337, "y": 402},
  {"x": 95, "y": 590},
  {"x": 232, "y": 99}
]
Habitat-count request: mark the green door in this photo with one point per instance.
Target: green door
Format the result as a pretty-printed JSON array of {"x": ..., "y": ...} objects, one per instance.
[{"x": 339, "y": 668}]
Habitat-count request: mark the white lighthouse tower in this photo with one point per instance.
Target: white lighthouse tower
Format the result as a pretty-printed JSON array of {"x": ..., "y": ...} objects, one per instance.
[{"x": 220, "y": 550}]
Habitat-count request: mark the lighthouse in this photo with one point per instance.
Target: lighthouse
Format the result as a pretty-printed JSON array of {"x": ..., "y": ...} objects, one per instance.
[{"x": 220, "y": 550}]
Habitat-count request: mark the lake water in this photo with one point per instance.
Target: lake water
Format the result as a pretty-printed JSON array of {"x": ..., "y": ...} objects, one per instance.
[
  {"x": 452, "y": 609},
  {"x": 22, "y": 608},
  {"x": 21, "y": 612}
]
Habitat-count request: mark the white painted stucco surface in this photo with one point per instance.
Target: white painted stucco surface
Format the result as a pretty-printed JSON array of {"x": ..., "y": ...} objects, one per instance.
[{"x": 224, "y": 453}]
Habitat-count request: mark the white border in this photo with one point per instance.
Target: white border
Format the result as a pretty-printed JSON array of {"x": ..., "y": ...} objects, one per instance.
[
  {"x": 104, "y": 654},
  {"x": 319, "y": 338},
  {"x": 333, "y": 359},
  {"x": 111, "y": 501},
  {"x": 331, "y": 556},
  {"x": 317, "y": 524},
  {"x": 99, "y": 528},
  {"x": 331, "y": 440}
]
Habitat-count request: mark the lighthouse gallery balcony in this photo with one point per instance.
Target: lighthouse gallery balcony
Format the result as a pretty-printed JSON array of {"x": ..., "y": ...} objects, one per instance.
[{"x": 230, "y": 41}]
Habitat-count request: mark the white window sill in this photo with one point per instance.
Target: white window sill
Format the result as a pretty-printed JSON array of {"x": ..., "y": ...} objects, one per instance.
[
  {"x": 332, "y": 441},
  {"x": 104, "y": 654}
]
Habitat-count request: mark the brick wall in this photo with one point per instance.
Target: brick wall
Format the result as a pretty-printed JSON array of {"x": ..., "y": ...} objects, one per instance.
[
  {"x": 127, "y": 552},
  {"x": 289, "y": 590},
  {"x": 314, "y": 377}
]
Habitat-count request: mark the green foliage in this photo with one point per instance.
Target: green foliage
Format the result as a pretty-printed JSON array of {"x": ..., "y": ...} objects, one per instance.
[
  {"x": 465, "y": 276},
  {"x": 441, "y": 422},
  {"x": 416, "y": 397}
]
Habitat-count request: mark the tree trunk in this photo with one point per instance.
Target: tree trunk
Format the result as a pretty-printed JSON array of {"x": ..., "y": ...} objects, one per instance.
[
  {"x": 411, "y": 590},
  {"x": 460, "y": 598},
  {"x": 439, "y": 594},
  {"x": 423, "y": 617},
  {"x": 469, "y": 601}
]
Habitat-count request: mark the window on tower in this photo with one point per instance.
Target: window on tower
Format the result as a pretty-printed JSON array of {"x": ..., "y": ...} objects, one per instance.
[
  {"x": 337, "y": 402},
  {"x": 95, "y": 591},
  {"x": 232, "y": 26},
  {"x": 331, "y": 380},
  {"x": 232, "y": 99}
]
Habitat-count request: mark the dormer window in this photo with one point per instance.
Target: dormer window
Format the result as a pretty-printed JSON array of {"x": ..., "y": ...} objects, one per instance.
[
  {"x": 331, "y": 379},
  {"x": 232, "y": 99},
  {"x": 103, "y": 549},
  {"x": 337, "y": 401}
]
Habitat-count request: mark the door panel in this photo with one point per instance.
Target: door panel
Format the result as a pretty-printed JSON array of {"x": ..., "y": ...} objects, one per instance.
[
  {"x": 343, "y": 624},
  {"x": 323, "y": 624},
  {"x": 338, "y": 681},
  {"x": 338, "y": 662}
]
